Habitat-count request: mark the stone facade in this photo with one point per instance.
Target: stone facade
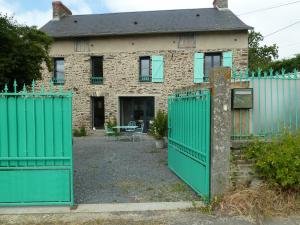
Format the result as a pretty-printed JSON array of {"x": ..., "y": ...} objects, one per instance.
[{"x": 121, "y": 77}]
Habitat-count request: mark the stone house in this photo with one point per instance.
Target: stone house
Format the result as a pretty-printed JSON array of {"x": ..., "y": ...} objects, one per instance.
[{"x": 125, "y": 65}]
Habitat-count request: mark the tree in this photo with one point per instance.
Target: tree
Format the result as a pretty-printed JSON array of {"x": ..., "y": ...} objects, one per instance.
[
  {"x": 288, "y": 64},
  {"x": 260, "y": 56},
  {"x": 23, "y": 50}
]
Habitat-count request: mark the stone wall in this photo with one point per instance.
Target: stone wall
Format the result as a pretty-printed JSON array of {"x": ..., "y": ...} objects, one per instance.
[
  {"x": 241, "y": 169},
  {"x": 121, "y": 78}
]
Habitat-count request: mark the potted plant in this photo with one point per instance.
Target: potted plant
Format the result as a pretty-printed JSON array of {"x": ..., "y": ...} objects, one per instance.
[
  {"x": 110, "y": 130},
  {"x": 159, "y": 129}
]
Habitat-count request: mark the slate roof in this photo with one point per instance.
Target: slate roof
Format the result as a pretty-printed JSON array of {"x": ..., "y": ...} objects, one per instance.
[{"x": 148, "y": 22}]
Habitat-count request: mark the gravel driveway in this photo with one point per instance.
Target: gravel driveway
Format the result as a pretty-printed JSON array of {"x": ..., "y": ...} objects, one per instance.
[{"x": 108, "y": 171}]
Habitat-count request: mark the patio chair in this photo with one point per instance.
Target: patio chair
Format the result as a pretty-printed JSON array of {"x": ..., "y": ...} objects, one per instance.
[
  {"x": 131, "y": 123},
  {"x": 139, "y": 131},
  {"x": 130, "y": 131}
]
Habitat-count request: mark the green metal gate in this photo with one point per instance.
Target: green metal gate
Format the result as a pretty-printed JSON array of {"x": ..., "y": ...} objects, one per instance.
[
  {"x": 36, "y": 166},
  {"x": 189, "y": 139}
]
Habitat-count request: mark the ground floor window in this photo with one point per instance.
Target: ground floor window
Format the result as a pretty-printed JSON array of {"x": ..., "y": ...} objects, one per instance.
[
  {"x": 138, "y": 109},
  {"x": 212, "y": 60},
  {"x": 98, "y": 112},
  {"x": 59, "y": 71}
]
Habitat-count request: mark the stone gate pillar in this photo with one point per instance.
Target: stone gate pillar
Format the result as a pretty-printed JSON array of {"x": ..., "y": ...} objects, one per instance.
[{"x": 220, "y": 80}]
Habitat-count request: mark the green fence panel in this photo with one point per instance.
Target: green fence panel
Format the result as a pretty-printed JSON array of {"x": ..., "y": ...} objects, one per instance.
[
  {"x": 36, "y": 165},
  {"x": 189, "y": 139},
  {"x": 276, "y": 104}
]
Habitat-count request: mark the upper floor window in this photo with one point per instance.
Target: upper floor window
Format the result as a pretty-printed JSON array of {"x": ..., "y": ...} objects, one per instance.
[
  {"x": 97, "y": 70},
  {"x": 145, "y": 69},
  {"x": 211, "y": 60},
  {"x": 82, "y": 45},
  {"x": 59, "y": 71},
  {"x": 187, "y": 40}
]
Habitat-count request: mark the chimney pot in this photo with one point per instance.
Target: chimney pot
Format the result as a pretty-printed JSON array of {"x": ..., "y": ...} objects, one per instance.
[
  {"x": 220, "y": 4},
  {"x": 60, "y": 10}
]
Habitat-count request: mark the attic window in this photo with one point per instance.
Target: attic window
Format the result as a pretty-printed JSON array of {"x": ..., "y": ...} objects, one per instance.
[
  {"x": 82, "y": 45},
  {"x": 197, "y": 14},
  {"x": 135, "y": 22},
  {"x": 75, "y": 21},
  {"x": 187, "y": 40}
]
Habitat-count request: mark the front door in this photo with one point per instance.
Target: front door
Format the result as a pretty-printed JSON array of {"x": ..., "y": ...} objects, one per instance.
[{"x": 98, "y": 112}]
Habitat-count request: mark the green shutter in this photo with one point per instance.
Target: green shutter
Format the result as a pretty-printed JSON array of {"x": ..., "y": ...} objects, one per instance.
[
  {"x": 227, "y": 59},
  {"x": 157, "y": 69},
  {"x": 198, "y": 67}
]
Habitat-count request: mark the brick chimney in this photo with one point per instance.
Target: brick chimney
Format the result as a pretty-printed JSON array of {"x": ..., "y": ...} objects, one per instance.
[
  {"x": 221, "y": 4},
  {"x": 60, "y": 10}
]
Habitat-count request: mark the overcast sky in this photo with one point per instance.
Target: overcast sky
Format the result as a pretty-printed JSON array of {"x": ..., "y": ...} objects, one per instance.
[{"x": 38, "y": 12}]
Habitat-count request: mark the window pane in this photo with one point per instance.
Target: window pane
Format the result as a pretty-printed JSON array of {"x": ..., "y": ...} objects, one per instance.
[
  {"x": 212, "y": 60},
  {"x": 59, "y": 69},
  {"x": 207, "y": 65},
  {"x": 97, "y": 67},
  {"x": 145, "y": 67},
  {"x": 217, "y": 61}
]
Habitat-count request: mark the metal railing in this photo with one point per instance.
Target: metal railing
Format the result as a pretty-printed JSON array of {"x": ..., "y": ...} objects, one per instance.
[
  {"x": 58, "y": 81},
  {"x": 145, "y": 78},
  {"x": 96, "y": 80},
  {"x": 276, "y": 105}
]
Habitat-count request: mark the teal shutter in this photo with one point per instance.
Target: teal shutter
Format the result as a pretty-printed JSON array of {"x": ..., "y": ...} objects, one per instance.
[
  {"x": 157, "y": 69},
  {"x": 198, "y": 67},
  {"x": 227, "y": 59}
]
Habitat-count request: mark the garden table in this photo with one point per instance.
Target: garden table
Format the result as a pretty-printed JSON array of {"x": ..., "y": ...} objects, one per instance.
[{"x": 127, "y": 128}]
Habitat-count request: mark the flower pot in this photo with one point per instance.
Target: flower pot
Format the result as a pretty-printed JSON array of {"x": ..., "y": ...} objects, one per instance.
[{"x": 160, "y": 143}]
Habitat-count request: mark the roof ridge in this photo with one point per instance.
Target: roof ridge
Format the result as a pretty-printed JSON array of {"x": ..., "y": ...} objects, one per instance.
[{"x": 146, "y": 11}]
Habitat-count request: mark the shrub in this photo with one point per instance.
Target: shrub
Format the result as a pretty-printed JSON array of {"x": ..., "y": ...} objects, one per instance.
[
  {"x": 76, "y": 133},
  {"x": 112, "y": 122},
  {"x": 278, "y": 161},
  {"x": 79, "y": 133},
  {"x": 159, "y": 127},
  {"x": 82, "y": 131}
]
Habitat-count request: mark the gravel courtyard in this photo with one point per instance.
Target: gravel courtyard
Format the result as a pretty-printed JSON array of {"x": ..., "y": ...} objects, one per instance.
[{"x": 108, "y": 171}]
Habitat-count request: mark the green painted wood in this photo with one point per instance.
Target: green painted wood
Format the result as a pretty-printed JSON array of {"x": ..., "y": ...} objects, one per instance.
[
  {"x": 189, "y": 139},
  {"x": 36, "y": 164},
  {"x": 157, "y": 69},
  {"x": 199, "y": 67},
  {"x": 227, "y": 59}
]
